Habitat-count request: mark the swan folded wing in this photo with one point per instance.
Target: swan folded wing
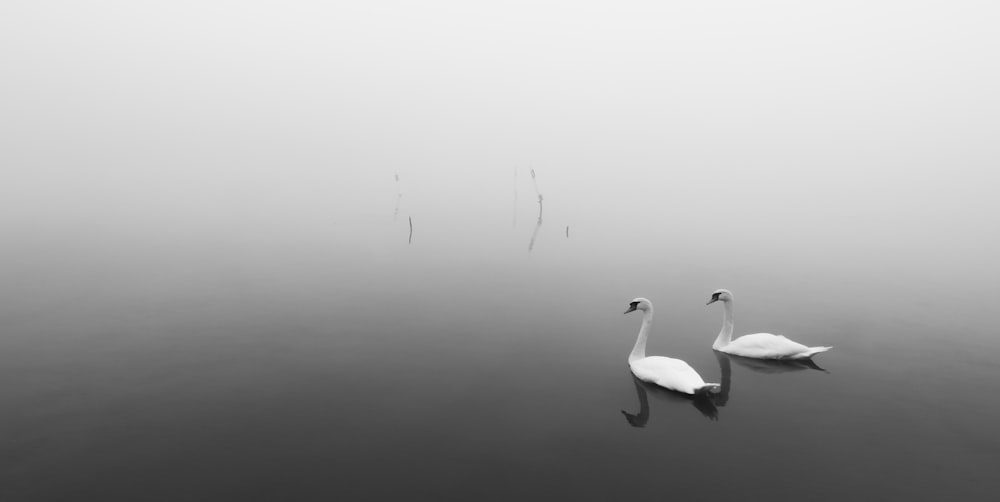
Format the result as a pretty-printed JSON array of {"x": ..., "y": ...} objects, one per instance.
[
  {"x": 766, "y": 345},
  {"x": 667, "y": 372}
]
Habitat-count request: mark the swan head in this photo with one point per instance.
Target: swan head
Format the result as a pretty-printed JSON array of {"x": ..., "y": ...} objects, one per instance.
[
  {"x": 639, "y": 304},
  {"x": 723, "y": 295}
]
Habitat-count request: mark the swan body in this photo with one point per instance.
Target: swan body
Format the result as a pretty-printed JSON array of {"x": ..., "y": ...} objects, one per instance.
[
  {"x": 757, "y": 345},
  {"x": 768, "y": 346},
  {"x": 667, "y": 372}
]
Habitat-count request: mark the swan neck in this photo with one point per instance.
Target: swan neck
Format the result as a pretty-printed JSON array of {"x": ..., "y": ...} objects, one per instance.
[
  {"x": 726, "y": 334},
  {"x": 726, "y": 370},
  {"x": 639, "y": 351}
]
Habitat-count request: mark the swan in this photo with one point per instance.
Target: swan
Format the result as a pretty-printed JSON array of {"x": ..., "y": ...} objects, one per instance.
[
  {"x": 672, "y": 374},
  {"x": 757, "y": 345}
]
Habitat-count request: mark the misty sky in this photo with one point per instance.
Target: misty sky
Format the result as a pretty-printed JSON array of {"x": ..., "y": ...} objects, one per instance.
[{"x": 854, "y": 120}]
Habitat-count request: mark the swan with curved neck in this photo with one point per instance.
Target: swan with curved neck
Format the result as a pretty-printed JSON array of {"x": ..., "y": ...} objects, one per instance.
[
  {"x": 757, "y": 345},
  {"x": 667, "y": 372}
]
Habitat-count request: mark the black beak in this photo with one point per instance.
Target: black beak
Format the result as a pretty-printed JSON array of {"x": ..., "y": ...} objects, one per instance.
[
  {"x": 713, "y": 300},
  {"x": 631, "y": 308}
]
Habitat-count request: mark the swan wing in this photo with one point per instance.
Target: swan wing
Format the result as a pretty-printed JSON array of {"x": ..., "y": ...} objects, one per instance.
[
  {"x": 767, "y": 346},
  {"x": 673, "y": 374}
]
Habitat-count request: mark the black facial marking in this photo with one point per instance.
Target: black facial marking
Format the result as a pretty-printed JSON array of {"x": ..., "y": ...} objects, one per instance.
[{"x": 715, "y": 296}]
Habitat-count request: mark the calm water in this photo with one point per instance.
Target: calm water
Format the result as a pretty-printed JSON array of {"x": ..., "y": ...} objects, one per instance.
[
  {"x": 210, "y": 291},
  {"x": 332, "y": 360}
]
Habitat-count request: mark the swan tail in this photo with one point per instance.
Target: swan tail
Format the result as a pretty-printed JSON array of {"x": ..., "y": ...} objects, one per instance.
[
  {"x": 815, "y": 350},
  {"x": 709, "y": 388}
]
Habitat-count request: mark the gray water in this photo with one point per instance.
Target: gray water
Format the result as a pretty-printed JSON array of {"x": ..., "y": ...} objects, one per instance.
[{"x": 342, "y": 361}]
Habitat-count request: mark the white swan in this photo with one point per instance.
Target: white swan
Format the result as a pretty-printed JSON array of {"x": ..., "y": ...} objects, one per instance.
[
  {"x": 672, "y": 374},
  {"x": 757, "y": 345}
]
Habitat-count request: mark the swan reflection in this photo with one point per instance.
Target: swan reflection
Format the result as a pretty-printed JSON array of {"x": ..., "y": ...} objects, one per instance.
[
  {"x": 703, "y": 403},
  {"x": 726, "y": 370},
  {"x": 769, "y": 366}
]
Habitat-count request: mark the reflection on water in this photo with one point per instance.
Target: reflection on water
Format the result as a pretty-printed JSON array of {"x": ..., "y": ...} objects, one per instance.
[
  {"x": 534, "y": 182},
  {"x": 726, "y": 370},
  {"x": 538, "y": 226},
  {"x": 770, "y": 365},
  {"x": 701, "y": 402},
  {"x": 765, "y": 366},
  {"x": 639, "y": 419}
]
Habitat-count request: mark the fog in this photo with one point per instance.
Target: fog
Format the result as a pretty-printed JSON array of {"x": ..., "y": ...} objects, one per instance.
[
  {"x": 855, "y": 137},
  {"x": 204, "y": 239}
]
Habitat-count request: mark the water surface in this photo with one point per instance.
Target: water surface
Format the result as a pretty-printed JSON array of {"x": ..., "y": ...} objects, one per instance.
[{"x": 317, "y": 362}]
